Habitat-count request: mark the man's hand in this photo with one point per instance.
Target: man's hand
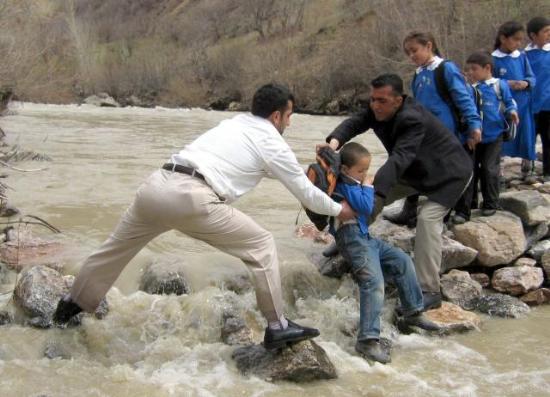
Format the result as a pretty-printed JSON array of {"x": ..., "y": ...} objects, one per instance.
[
  {"x": 334, "y": 143},
  {"x": 346, "y": 213}
]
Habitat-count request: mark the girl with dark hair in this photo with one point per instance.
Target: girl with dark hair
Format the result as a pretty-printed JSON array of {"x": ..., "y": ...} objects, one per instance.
[
  {"x": 439, "y": 85},
  {"x": 512, "y": 65},
  {"x": 538, "y": 53}
]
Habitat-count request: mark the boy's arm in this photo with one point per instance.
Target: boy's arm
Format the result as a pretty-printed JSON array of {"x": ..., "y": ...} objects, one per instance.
[{"x": 359, "y": 197}]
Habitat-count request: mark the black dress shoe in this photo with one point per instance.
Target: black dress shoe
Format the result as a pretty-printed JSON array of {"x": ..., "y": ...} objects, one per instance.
[
  {"x": 432, "y": 300},
  {"x": 277, "y": 338},
  {"x": 408, "y": 214},
  {"x": 66, "y": 309}
]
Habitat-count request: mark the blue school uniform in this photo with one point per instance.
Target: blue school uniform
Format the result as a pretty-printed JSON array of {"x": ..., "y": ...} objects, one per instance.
[
  {"x": 515, "y": 66},
  {"x": 494, "y": 122},
  {"x": 425, "y": 91},
  {"x": 539, "y": 59},
  {"x": 359, "y": 197}
]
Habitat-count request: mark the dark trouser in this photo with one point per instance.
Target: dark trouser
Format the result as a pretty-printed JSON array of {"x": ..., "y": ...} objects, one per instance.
[
  {"x": 372, "y": 261},
  {"x": 464, "y": 204},
  {"x": 542, "y": 124},
  {"x": 486, "y": 171}
]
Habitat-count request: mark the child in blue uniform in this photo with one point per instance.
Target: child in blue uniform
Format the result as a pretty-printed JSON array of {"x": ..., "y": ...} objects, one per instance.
[
  {"x": 538, "y": 53},
  {"x": 513, "y": 66},
  {"x": 423, "y": 52},
  {"x": 497, "y": 102},
  {"x": 371, "y": 259}
]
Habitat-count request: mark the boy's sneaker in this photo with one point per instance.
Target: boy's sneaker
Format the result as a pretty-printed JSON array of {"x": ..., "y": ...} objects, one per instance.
[
  {"x": 373, "y": 350},
  {"x": 459, "y": 219},
  {"x": 488, "y": 211},
  {"x": 420, "y": 321}
]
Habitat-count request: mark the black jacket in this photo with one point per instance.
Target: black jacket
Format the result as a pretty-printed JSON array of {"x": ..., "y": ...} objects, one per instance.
[{"x": 422, "y": 152}]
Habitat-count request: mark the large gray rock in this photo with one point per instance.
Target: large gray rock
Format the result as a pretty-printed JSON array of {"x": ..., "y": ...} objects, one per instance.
[
  {"x": 459, "y": 288},
  {"x": 524, "y": 261},
  {"x": 517, "y": 280},
  {"x": 499, "y": 305},
  {"x": 235, "y": 331},
  {"x": 545, "y": 261},
  {"x": 164, "y": 278},
  {"x": 302, "y": 362},
  {"x": 533, "y": 234},
  {"x": 38, "y": 291},
  {"x": 455, "y": 254},
  {"x": 398, "y": 236},
  {"x": 499, "y": 239},
  {"x": 537, "y": 297},
  {"x": 453, "y": 318},
  {"x": 539, "y": 249},
  {"x": 529, "y": 205},
  {"x": 102, "y": 99}
]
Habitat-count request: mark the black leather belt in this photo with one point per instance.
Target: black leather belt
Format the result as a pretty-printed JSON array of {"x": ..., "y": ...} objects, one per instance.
[{"x": 182, "y": 169}]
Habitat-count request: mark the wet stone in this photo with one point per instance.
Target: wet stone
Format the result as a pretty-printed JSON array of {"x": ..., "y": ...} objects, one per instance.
[
  {"x": 459, "y": 288},
  {"x": 302, "y": 362},
  {"x": 537, "y": 297},
  {"x": 500, "y": 305},
  {"x": 455, "y": 254},
  {"x": 164, "y": 279},
  {"x": 5, "y": 318},
  {"x": 450, "y": 317},
  {"x": 482, "y": 278},
  {"x": 235, "y": 331},
  {"x": 517, "y": 280},
  {"x": 334, "y": 266},
  {"x": 56, "y": 350}
]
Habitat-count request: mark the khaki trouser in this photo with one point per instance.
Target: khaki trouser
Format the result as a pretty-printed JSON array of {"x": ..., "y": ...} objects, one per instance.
[
  {"x": 169, "y": 200},
  {"x": 428, "y": 240}
]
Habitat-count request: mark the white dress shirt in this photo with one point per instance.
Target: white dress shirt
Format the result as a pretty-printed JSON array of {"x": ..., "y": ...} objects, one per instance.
[{"x": 236, "y": 154}]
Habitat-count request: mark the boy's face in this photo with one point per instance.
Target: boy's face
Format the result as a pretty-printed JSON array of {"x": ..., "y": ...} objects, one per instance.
[
  {"x": 359, "y": 170},
  {"x": 542, "y": 37},
  {"x": 476, "y": 72}
]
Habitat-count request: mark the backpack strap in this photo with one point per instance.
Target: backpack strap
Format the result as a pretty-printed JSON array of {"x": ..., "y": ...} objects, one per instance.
[
  {"x": 441, "y": 83},
  {"x": 498, "y": 91}
]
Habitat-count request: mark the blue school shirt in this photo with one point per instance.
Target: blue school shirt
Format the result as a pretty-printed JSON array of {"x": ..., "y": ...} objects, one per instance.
[
  {"x": 539, "y": 58},
  {"x": 359, "y": 197},
  {"x": 494, "y": 122},
  {"x": 424, "y": 90}
]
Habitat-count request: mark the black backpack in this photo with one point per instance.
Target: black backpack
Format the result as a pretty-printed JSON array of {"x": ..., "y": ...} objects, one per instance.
[
  {"x": 445, "y": 94},
  {"x": 323, "y": 174}
]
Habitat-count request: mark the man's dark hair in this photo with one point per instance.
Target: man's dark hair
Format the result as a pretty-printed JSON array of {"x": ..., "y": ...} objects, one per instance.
[
  {"x": 481, "y": 58},
  {"x": 351, "y": 152},
  {"x": 391, "y": 79},
  {"x": 271, "y": 98},
  {"x": 536, "y": 24}
]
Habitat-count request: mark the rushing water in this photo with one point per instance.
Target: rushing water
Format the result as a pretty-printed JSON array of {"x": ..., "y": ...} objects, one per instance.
[{"x": 170, "y": 346}]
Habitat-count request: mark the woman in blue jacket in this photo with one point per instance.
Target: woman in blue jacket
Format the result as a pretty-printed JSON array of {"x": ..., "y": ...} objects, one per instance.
[
  {"x": 513, "y": 66},
  {"x": 538, "y": 53},
  {"x": 427, "y": 89}
]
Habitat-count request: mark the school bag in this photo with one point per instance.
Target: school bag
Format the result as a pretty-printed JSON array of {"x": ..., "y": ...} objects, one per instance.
[
  {"x": 509, "y": 133},
  {"x": 445, "y": 94},
  {"x": 323, "y": 174}
]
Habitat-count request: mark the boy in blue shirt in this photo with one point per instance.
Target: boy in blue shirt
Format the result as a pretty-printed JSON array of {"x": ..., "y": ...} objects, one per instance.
[
  {"x": 371, "y": 259},
  {"x": 497, "y": 102}
]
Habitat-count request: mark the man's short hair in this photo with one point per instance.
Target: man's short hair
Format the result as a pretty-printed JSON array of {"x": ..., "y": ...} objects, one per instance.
[
  {"x": 271, "y": 98},
  {"x": 389, "y": 79},
  {"x": 481, "y": 58}
]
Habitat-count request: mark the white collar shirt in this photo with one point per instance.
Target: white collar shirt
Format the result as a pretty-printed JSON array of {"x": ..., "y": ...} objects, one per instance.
[{"x": 236, "y": 154}]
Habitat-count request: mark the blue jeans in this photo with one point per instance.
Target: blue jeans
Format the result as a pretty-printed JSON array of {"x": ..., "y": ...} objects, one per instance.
[{"x": 371, "y": 261}]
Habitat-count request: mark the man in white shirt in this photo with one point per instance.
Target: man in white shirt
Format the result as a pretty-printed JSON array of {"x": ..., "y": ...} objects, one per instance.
[{"x": 192, "y": 194}]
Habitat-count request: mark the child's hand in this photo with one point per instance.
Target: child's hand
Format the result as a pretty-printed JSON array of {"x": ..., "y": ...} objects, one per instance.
[
  {"x": 514, "y": 117},
  {"x": 518, "y": 85}
]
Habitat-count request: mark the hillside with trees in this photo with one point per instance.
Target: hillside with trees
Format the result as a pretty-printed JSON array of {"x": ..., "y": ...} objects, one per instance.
[{"x": 211, "y": 52}]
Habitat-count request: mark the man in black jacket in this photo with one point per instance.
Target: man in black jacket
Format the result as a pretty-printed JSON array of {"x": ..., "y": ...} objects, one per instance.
[{"x": 423, "y": 157}]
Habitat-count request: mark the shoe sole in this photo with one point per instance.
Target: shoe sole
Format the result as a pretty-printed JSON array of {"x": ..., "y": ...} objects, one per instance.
[{"x": 286, "y": 343}]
